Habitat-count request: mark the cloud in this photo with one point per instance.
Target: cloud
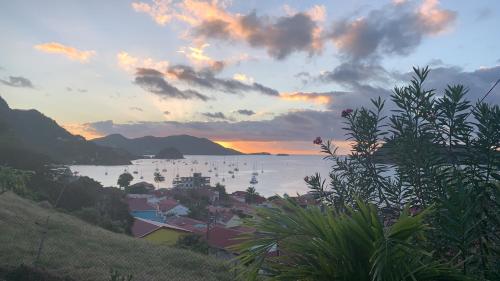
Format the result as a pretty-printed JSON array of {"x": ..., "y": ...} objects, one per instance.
[
  {"x": 478, "y": 81},
  {"x": 129, "y": 62},
  {"x": 292, "y": 126},
  {"x": 153, "y": 81},
  {"x": 286, "y": 35},
  {"x": 69, "y": 89},
  {"x": 394, "y": 29},
  {"x": 136, "y": 108},
  {"x": 67, "y": 51},
  {"x": 198, "y": 57},
  {"x": 215, "y": 115},
  {"x": 350, "y": 73},
  {"x": 280, "y": 36},
  {"x": 17, "y": 81},
  {"x": 245, "y": 112},
  {"x": 205, "y": 78},
  {"x": 159, "y": 10},
  {"x": 243, "y": 78},
  {"x": 318, "y": 98}
]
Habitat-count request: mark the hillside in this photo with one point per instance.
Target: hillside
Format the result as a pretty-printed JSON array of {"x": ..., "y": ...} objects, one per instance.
[
  {"x": 149, "y": 145},
  {"x": 84, "y": 252},
  {"x": 169, "y": 153},
  {"x": 32, "y": 132}
]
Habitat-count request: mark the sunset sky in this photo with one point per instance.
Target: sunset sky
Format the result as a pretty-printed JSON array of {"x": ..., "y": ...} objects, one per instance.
[{"x": 254, "y": 75}]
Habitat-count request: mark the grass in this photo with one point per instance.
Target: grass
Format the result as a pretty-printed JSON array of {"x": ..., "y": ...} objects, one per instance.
[{"x": 82, "y": 251}]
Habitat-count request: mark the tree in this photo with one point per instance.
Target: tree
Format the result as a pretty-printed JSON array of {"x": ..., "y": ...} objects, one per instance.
[
  {"x": 223, "y": 196},
  {"x": 294, "y": 243},
  {"x": 124, "y": 180},
  {"x": 251, "y": 195},
  {"x": 193, "y": 242},
  {"x": 14, "y": 180},
  {"x": 158, "y": 178}
]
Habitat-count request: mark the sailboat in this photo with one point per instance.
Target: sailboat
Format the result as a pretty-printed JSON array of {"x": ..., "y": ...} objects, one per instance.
[{"x": 254, "y": 180}]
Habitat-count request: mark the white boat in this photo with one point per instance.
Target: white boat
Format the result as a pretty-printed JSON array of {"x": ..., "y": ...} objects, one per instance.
[{"x": 254, "y": 180}]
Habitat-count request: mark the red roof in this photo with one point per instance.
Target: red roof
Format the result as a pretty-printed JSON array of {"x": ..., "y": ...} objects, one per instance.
[
  {"x": 167, "y": 204},
  {"x": 142, "y": 227},
  {"x": 239, "y": 193},
  {"x": 222, "y": 238},
  {"x": 189, "y": 224},
  {"x": 139, "y": 204}
]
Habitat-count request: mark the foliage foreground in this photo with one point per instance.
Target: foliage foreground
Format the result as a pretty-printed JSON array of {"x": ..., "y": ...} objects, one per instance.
[{"x": 319, "y": 244}]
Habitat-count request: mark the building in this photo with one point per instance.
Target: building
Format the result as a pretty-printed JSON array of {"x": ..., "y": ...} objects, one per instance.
[
  {"x": 170, "y": 207},
  {"x": 193, "y": 225},
  {"x": 141, "y": 208},
  {"x": 157, "y": 232},
  {"x": 196, "y": 181},
  {"x": 222, "y": 240}
]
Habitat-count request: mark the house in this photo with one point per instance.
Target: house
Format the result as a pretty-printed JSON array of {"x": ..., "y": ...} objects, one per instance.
[
  {"x": 171, "y": 207},
  {"x": 141, "y": 208},
  {"x": 157, "y": 232},
  {"x": 240, "y": 196},
  {"x": 196, "y": 181},
  {"x": 190, "y": 224},
  {"x": 232, "y": 220},
  {"x": 221, "y": 240},
  {"x": 212, "y": 195},
  {"x": 141, "y": 187},
  {"x": 139, "y": 204}
]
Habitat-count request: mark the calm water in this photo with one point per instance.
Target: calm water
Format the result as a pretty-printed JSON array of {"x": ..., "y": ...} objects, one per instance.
[{"x": 276, "y": 174}]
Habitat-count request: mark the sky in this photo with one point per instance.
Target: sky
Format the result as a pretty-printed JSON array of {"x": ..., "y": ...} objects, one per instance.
[{"x": 253, "y": 75}]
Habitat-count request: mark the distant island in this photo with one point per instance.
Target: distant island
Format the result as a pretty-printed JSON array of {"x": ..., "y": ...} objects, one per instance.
[
  {"x": 169, "y": 153},
  {"x": 259, "y": 153},
  {"x": 282, "y": 154},
  {"x": 150, "y": 145}
]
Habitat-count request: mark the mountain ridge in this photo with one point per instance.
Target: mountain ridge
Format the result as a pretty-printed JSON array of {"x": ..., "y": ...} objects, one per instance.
[
  {"x": 152, "y": 145},
  {"x": 30, "y": 131}
]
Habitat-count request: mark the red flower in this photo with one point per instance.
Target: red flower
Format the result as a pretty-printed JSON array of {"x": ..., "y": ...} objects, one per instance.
[
  {"x": 346, "y": 112},
  {"x": 318, "y": 140}
]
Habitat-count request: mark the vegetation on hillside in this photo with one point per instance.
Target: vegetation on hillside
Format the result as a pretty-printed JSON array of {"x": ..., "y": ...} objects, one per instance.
[{"x": 82, "y": 251}]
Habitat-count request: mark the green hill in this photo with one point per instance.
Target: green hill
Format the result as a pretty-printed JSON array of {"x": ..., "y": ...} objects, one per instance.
[{"x": 82, "y": 251}]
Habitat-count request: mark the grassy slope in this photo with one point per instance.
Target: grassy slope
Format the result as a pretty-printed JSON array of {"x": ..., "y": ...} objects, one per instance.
[{"x": 85, "y": 252}]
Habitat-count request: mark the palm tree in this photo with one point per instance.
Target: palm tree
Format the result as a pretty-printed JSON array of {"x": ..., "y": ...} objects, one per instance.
[
  {"x": 158, "y": 178},
  {"x": 313, "y": 244}
]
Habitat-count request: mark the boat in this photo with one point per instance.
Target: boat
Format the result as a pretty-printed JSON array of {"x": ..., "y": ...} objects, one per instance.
[
  {"x": 135, "y": 172},
  {"x": 230, "y": 172},
  {"x": 236, "y": 169},
  {"x": 253, "y": 180},
  {"x": 232, "y": 176},
  {"x": 164, "y": 170}
]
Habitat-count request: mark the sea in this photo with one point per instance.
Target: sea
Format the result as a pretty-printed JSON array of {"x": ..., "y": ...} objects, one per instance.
[{"x": 275, "y": 175}]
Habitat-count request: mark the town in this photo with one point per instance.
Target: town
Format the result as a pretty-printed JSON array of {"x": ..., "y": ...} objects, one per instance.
[{"x": 192, "y": 207}]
